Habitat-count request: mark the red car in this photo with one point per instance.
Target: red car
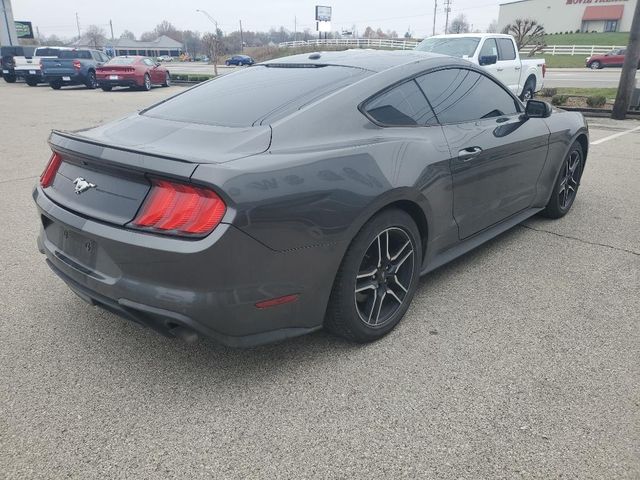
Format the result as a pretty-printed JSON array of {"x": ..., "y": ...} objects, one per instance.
[
  {"x": 135, "y": 72},
  {"x": 614, "y": 58}
]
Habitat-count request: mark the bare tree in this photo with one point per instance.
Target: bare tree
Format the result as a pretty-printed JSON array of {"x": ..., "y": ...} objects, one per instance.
[
  {"x": 527, "y": 33},
  {"x": 210, "y": 44},
  {"x": 493, "y": 27},
  {"x": 459, "y": 24},
  {"x": 128, "y": 35},
  {"x": 148, "y": 36},
  {"x": 94, "y": 36},
  {"x": 166, "y": 28}
]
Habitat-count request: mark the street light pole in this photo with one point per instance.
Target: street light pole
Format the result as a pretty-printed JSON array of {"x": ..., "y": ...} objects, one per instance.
[{"x": 215, "y": 43}]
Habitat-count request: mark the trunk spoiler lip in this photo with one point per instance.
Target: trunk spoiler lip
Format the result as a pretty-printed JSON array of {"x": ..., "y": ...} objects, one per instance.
[{"x": 74, "y": 136}]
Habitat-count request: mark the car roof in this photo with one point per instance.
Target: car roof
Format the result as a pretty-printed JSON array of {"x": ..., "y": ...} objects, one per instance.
[{"x": 366, "y": 59}]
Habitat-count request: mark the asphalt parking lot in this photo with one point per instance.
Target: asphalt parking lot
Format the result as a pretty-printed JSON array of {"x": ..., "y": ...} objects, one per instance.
[{"x": 518, "y": 360}]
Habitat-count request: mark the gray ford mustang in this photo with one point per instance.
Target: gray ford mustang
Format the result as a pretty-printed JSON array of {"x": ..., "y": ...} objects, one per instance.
[{"x": 301, "y": 193}]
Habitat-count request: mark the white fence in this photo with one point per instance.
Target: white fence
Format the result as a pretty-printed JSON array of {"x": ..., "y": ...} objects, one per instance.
[
  {"x": 587, "y": 50},
  {"x": 401, "y": 44},
  {"x": 394, "y": 43}
]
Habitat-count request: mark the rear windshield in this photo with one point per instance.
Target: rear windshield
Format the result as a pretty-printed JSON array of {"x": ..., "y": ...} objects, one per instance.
[
  {"x": 452, "y": 46},
  {"x": 85, "y": 54},
  {"x": 47, "y": 52},
  {"x": 250, "y": 96},
  {"x": 122, "y": 61}
]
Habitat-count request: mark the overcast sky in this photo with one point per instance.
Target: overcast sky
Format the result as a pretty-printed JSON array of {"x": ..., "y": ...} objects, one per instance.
[{"x": 58, "y": 16}]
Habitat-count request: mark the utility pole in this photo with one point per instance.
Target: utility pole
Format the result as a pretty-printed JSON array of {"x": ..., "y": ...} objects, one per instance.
[
  {"x": 241, "y": 38},
  {"x": 78, "y": 24},
  {"x": 295, "y": 28},
  {"x": 215, "y": 40},
  {"x": 111, "y": 27},
  {"x": 447, "y": 9},
  {"x": 628, "y": 76},
  {"x": 435, "y": 14}
]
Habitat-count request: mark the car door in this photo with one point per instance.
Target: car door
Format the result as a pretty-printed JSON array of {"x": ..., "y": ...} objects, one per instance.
[
  {"x": 496, "y": 153},
  {"x": 154, "y": 71},
  {"x": 509, "y": 68},
  {"x": 490, "y": 48},
  {"x": 611, "y": 58}
]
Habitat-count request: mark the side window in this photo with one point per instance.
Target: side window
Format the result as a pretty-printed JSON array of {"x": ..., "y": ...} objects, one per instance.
[
  {"x": 507, "y": 50},
  {"x": 402, "y": 106},
  {"x": 489, "y": 48},
  {"x": 149, "y": 62},
  {"x": 460, "y": 95}
]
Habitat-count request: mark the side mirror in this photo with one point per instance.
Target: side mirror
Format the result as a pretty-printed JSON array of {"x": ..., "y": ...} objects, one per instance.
[
  {"x": 158, "y": 64},
  {"x": 487, "y": 60},
  {"x": 537, "y": 109}
]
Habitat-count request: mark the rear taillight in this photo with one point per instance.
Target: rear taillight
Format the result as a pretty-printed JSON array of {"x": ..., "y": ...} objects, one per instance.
[
  {"x": 46, "y": 179},
  {"x": 180, "y": 209},
  {"x": 76, "y": 64}
]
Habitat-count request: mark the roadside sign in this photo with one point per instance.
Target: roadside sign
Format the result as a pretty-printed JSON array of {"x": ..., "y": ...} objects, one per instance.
[{"x": 24, "y": 29}]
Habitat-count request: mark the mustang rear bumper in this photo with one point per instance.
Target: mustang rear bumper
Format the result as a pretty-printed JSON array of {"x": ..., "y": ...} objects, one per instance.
[
  {"x": 118, "y": 83},
  {"x": 208, "y": 286}
]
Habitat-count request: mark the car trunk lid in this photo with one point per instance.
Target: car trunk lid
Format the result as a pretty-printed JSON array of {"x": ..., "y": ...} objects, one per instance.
[{"x": 187, "y": 142}]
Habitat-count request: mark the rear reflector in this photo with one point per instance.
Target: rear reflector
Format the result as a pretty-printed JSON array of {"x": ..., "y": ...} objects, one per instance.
[
  {"x": 46, "y": 179},
  {"x": 274, "y": 302},
  {"x": 180, "y": 209}
]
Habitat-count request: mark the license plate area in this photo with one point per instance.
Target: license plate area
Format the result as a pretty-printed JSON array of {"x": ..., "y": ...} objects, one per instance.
[
  {"x": 76, "y": 248},
  {"x": 113, "y": 77},
  {"x": 66, "y": 79},
  {"x": 32, "y": 72}
]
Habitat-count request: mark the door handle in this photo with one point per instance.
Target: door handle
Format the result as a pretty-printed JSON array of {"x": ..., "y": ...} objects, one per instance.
[
  {"x": 500, "y": 69},
  {"x": 517, "y": 68},
  {"x": 468, "y": 153}
]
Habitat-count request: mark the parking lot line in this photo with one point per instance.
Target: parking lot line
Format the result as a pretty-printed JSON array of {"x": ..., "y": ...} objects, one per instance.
[{"x": 615, "y": 135}]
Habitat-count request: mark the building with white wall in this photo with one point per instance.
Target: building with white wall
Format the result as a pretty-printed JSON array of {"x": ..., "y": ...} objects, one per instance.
[{"x": 560, "y": 16}]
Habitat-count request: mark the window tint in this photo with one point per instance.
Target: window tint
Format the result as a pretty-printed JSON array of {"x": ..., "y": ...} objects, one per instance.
[
  {"x": 459, "y": 95},
  {"x": 149, "y": 62},
  {"x": 47, "y": 52},
  {"x": 507, "y": 50},
  {"x": 84, "y": 54},
  {"x": 122, "y": 61},
  {"x": 404, "y": 105},
  {"x": 249, "y": 96}
]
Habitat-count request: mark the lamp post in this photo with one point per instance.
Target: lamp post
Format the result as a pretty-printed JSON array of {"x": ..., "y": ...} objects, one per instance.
[{"x": 215, "y": 43}]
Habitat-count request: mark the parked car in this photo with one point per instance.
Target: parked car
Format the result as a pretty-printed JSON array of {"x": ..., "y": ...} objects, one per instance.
[
  {"x": 240, "y": 60},
  {"x": 496, "y": 53},
  {"x": 165, "y": 58},
  {"x": 236, "y": 210},
  {"x": 134, "y": 72},
  {"x": 614, "y": 58},
  {"x": 73, "y": 67},
  {"x": 29, "y": 67}
]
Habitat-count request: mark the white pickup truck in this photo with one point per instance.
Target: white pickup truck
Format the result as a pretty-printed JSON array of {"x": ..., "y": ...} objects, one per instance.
[
  {"x": 28, "y": 67},
  {"x": 497, "y": 53}
]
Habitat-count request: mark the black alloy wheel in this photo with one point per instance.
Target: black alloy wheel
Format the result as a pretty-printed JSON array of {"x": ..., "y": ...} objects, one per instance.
[
  {"x": 377, "y": 278},
  {"x": 384, "y": 277},
  {"x": 567, "y": 184},
  {"x": 92, "y": 82}
]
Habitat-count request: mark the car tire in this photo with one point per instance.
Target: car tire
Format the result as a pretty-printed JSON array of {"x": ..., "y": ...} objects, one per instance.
[
  {"x": 92, "y": 82},
  {"x": 9, "y": 78},
  {"x": 528, "y": 91},
  {"x": 107, "y": 88},
  {"x": 370, "y": 284},
  {"x": 146, "y": 83},
  {"x": 167, "y": 80},
  {"x": 227, "y": 63},
  {"x": 32, "y": 83},
  {"x": 595, "y": 65},
  {"x": 56, "y": 84},
  {"x": 565, "y": 188}
]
